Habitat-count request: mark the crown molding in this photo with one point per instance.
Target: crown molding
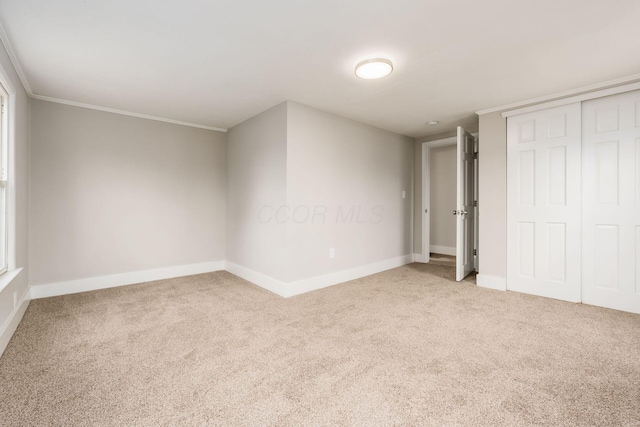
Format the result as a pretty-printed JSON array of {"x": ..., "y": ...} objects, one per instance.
[
  {"x": 573, "y": 92},
  {"x": 570, "y": 100},
  {"x": 125, "y": 113},
  {"x": 14, "y": 60},
  {"x": 4, "y": 38}
]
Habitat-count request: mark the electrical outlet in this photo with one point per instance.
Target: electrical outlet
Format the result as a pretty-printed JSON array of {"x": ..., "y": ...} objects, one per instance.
[
  {"x": 15, "y": 299},
  {"x": 332, "y": 253},
  {"x": 404, "y": 194}
]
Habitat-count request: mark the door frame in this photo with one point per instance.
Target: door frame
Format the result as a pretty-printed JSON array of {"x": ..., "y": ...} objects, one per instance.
[{"x": 426, "y": 192}]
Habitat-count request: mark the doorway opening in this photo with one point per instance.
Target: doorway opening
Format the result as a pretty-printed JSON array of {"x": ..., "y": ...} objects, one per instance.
[
  {"x": 449, "y": 177},
  {"x": 442, "y": 195}
]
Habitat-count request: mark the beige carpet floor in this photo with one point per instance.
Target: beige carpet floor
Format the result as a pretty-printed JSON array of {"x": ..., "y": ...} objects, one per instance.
[
  {"x": 404, "y": 347},
  {"x": 442, "y": 259}
]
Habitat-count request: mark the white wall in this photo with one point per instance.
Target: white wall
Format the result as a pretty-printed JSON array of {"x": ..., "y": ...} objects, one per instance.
[
  {"x": 115, "y": 194},
  {"x": 442, "y": 197},
  {"x": 257, "y": 185},
  {"x": 351, "y": 176},
  {"x": 492, "y": 198},
  {"x": 302, "y": 181},
  {"x": 19, "y": 286}
]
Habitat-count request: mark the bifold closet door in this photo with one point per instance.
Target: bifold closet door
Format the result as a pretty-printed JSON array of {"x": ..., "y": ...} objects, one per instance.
[
  {"x": 611, "y": 202},
  {"x": 544, "y": 202}
]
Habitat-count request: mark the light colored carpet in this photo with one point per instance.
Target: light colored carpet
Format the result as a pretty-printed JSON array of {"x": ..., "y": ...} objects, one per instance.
[
  {"x": 442, "y": 259},
  {"x": 404, "y": 347}
]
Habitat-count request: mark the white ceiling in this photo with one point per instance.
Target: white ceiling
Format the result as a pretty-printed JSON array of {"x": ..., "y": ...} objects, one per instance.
[{"x": 219, "y": 62}]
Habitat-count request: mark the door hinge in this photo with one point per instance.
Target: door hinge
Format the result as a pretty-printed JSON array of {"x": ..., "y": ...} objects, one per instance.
[
  {"x": 475, "y": 203},
  {"x": 426, "y": 210},
  {"x": 475, "y": 156},
  {"x": 475, "y": 252}
]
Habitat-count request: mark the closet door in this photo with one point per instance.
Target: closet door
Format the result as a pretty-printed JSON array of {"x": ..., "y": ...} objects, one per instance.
[
  {"x": 543, "y": 202},
  {"x": 611, "y": 202}
]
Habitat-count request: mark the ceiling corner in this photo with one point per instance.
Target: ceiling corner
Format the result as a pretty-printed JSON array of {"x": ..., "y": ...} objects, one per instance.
[{"x": 14, "y": 60}]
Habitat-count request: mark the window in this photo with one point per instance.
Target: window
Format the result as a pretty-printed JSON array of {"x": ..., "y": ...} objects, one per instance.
[{"x": 4, "y": 155}]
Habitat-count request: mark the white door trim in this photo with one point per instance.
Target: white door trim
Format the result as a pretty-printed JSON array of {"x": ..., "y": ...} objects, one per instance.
[{"x": 426, "y": 193}]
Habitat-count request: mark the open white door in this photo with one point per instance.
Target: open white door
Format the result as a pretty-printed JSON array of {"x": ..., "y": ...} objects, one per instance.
[{"x": 464, "y": 212}]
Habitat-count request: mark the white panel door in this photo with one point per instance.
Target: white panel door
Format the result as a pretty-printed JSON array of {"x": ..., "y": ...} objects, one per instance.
[
  {"x": 465, "y": 220},
  {"x": 544, "y": 202},
  {"x": 611, "y": 202}
]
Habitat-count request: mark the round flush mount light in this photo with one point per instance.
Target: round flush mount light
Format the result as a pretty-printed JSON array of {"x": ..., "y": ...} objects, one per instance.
[
  {"x": 432, "y": 123},
  {"x": 374, "y": 68}
]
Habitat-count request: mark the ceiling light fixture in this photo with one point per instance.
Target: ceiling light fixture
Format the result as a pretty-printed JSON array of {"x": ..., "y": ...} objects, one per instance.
[
  {"x": 374, "y": 68},
  {"x": 432, "y": 123}
]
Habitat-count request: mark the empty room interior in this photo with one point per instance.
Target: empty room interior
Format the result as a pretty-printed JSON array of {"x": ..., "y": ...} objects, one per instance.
[{"x": 298, "y": 213}]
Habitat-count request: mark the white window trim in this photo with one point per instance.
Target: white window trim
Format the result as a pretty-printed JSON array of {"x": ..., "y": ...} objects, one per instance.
[
  {"x": 12, "y": 270},
  {"x": 4, "y": 171},
  {"x": 7, "y": 277}
]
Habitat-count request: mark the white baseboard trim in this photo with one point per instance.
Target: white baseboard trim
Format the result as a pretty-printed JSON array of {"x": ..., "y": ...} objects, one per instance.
[
  {"x": 269, "y": 283},
  {"x": 122, "y": 279},
  {"x": 420, "y": 258},
  {"x": 442, "y": 250},
  {"x": 11, "y": 324},
  {"x": 276, "y": 286},
  {"x": 491, "y": 282},
  {"x": 318, "y": 282}
]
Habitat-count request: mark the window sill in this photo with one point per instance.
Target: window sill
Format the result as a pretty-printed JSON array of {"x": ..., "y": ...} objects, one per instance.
[{"x": 8, "y": 277}]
